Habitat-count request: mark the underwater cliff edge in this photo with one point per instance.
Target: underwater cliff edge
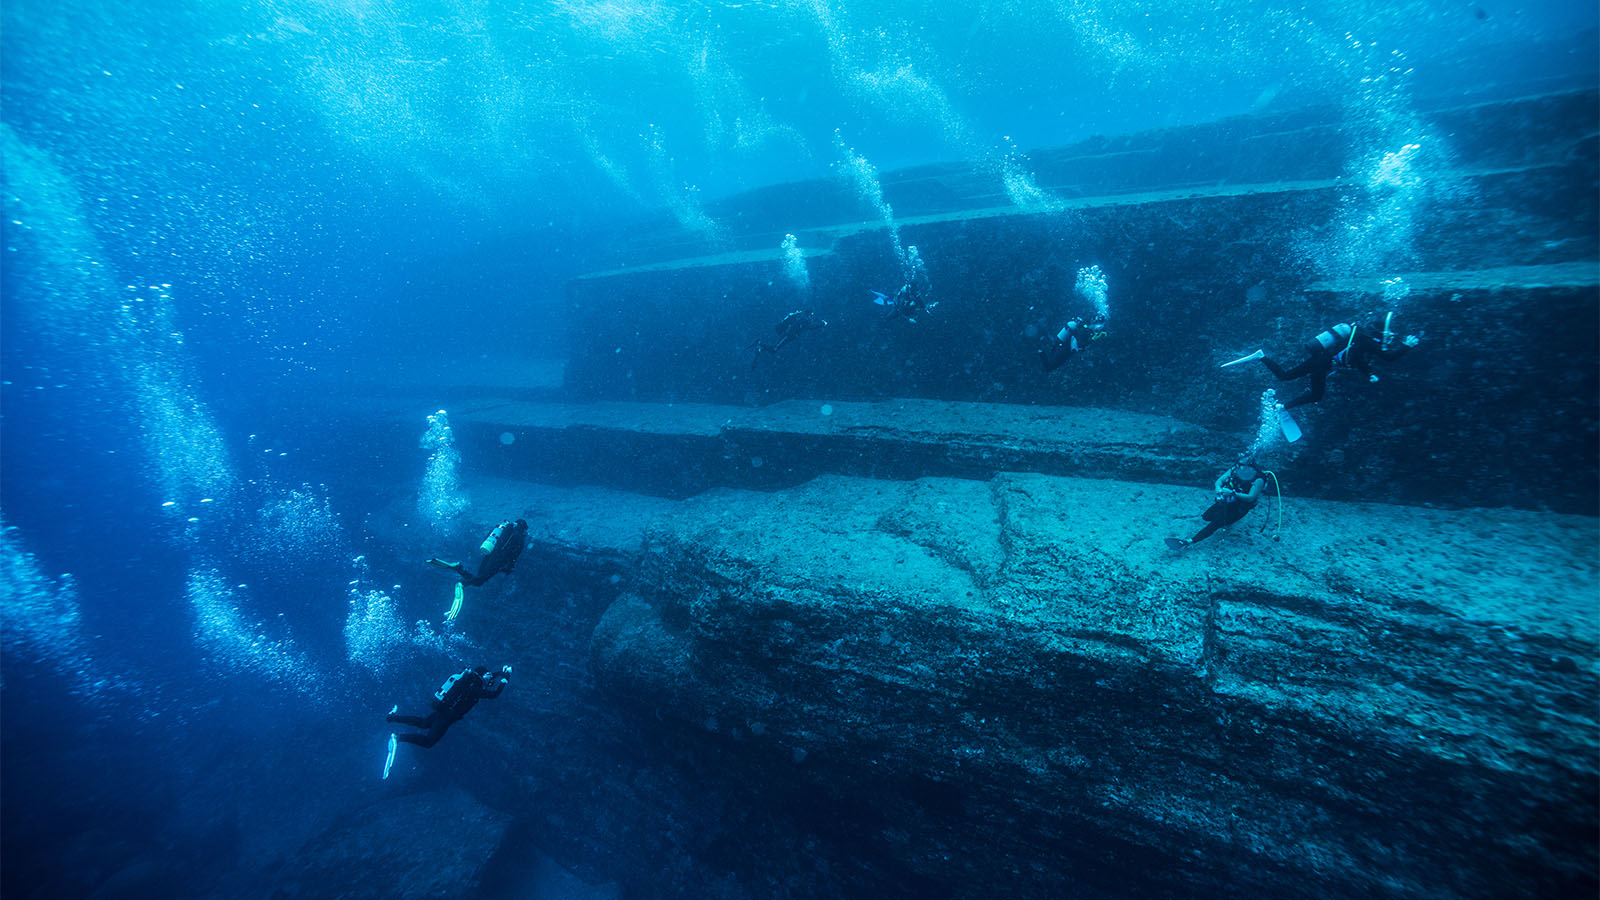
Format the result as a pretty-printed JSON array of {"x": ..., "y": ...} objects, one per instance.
[
  {"x": 655, "y": 450},
  {"x": 846, "y": 626}
]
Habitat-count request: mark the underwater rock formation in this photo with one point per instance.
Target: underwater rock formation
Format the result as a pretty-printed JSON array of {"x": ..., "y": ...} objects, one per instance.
[
  {"x": 681, "y": 449},
  {"x": 840, "y": 669},
  {"x": 952, "y": 688},
  {"x": 1207, "y": 237},
  {"x": 381, "y": 852}
]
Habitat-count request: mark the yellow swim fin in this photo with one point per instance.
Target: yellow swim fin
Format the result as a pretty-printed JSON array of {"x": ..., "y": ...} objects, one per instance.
[{"x": 455, "y": 607}]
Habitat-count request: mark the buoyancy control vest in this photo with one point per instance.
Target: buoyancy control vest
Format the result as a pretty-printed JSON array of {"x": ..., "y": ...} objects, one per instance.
[{"x": 1236, "y": 482}]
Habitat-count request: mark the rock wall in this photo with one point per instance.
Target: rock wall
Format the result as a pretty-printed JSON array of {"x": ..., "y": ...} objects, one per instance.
[
  {"x": 678, "y": 450},
  {"x": 950, "y": 688},
  {"x": 1200, "y": 271}
]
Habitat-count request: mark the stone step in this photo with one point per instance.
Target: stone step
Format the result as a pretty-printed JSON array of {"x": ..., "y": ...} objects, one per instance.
[
  {"x": 1293, "y": 150},
  {"x": 1580, "y": 275},
  {"x": 1027, "y": 651},
  {"x": 819, "y": 243},
  {"x": 685, "y": 448},
  {"x": 1214, "y": 242},
  {"x": 1503, "y": 365}
]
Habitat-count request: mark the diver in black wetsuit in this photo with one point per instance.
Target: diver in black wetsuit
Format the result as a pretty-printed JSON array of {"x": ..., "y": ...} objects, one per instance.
[
  {"x": 500, "y": 551},
  {"x": 1237, "y": 491},
  {"x": 910, "y": 301},
  {"x": 454, "y": 699},
  {"x": 1355, "y": 347},
  {"x": 1072, "y": 338},
  {"x": 793, "y": 325}
]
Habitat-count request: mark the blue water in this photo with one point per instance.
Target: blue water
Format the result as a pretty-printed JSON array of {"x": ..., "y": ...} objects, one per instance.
[{"x": 215, "y": 213}]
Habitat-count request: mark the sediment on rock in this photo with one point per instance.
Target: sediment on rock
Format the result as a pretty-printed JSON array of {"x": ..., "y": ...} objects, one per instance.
[{"x": 971, "y": 675}]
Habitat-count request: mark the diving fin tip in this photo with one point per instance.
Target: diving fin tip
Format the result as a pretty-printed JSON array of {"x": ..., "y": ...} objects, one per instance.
[{"x": 1244, "y": 359}]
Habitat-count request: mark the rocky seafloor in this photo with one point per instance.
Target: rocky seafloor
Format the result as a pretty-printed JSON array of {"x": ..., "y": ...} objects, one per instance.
[{"x": 946, "y": 687}]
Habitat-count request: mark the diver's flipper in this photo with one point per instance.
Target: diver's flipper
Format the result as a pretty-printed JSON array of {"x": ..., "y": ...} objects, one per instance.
[
  {"x": 389, "y": 762},
  {"x": 394, "y": 709},
  {"x": 1291, "y": 428},
  {"x": 1176, "y": 543},
  {"x": 455, "y": 606},
  {"x": 880, "y": 299},
  {"x": 1244, "y": 359}
]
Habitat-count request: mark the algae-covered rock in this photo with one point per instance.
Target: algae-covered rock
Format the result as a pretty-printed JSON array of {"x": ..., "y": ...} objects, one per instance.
[
  {"x": 1029, "y": 690},
  {"x": 958, "y": 688}
]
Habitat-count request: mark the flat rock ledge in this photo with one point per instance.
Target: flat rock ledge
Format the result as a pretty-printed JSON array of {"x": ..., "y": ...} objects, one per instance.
[
  {"x": 1012, "y": 687},
  {"x": 678, "y": 449}
]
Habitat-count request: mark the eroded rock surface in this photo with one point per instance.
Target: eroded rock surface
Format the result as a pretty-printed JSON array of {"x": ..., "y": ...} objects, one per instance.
[{"x": 958, "y": 688}]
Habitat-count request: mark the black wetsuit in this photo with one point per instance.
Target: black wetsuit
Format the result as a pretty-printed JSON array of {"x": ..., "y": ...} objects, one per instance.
[
  {"x": 1059, "y": 347},
  {"x": 503, "y": 558},
  {"x": 1229, "y": 509},
  {"x": 792, "y": 326},
  {"x": 1341, "y": 345},
  {"x": 908, "y": 301},
  {"x": 458, "y": 699}
]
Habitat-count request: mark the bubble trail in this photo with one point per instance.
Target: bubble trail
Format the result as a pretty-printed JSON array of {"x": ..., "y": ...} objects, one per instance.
[
  {"x": 440, "y": 499},
  {"x": 1091, "y": 286},
  {"x": 794, "y": 264},
  {"x": 864, "y": 177}
]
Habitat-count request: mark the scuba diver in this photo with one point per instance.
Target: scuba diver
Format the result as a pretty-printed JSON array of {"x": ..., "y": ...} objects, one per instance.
[
  {"x": 793, "y": 325},
  {"x": 910, "y": 301},
  {"x": 500, "y": 551},
  {"x": 1058, "y": 348},
  {"x": 912, "y": 298},
  {"x": 1237, "y": 491},
  {"x": 1355, "y": 347},
  {"x": 454, "y": 699}
]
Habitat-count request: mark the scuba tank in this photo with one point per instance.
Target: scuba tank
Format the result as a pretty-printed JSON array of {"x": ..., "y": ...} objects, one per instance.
[
  {"x": 493, "y": 540},
  {"x": 445, "y": 688},
  {"x": 1333, "y": 337}
]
